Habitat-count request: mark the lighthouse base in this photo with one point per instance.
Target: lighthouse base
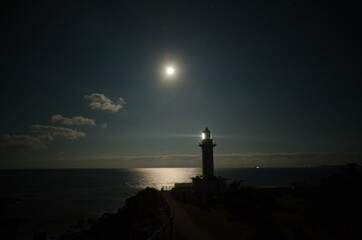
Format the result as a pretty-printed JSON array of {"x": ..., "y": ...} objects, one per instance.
[{"x": 209, "y": 186}]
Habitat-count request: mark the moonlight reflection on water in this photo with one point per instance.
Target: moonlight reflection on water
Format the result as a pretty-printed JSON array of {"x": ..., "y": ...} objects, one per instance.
[{"x": 163, "y": 177}]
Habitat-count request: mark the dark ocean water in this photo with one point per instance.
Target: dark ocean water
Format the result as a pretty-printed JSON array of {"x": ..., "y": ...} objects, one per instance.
[{"x": 52, "y": 199}]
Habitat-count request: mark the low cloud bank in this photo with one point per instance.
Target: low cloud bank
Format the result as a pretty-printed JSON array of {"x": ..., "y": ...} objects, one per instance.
[
  {"x": 230, "y": 160},
  {"x": 288, "y": 159},
  {"x": 57, "y": 131},
  {"x": 23, "y": 142}
]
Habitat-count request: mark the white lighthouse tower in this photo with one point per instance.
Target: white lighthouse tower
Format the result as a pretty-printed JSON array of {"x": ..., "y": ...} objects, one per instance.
[
  {"x": 207, "y": 145},
  {"x": 208, "y": 183}
]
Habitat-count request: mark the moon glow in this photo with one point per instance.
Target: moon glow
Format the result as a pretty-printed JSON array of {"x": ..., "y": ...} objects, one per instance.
[{"x": 170, "y": 71}]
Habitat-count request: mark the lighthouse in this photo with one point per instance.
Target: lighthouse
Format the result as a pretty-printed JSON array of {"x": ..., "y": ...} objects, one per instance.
[
  {"x": 207, "y": 145},
  {"x": 207, "y": 184}
]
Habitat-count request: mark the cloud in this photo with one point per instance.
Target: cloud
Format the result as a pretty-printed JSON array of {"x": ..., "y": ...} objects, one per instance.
[
  {"x": 57, "y": 131},
  {"x": 223, "y": 160},
  {"x": 78, "y": 120},
  {"x": 104, "y": 125},
  {"x": 287, "y": 159},
  {"x": 103, "y": 103},
  {"x": 45, "y": 137},
  {"x": 122, "y": 101},
  {"x": 138, "y": 161},
  {"x": 22, "y": 142}
]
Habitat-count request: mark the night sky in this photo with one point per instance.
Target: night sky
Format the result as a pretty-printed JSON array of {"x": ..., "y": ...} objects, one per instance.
[{"x": 83, "y": 83}]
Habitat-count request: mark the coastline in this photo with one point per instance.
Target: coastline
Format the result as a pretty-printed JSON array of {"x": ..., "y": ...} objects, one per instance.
[
  {"x": 327, "y": 210},
  {"x": 224, "y": 210}
]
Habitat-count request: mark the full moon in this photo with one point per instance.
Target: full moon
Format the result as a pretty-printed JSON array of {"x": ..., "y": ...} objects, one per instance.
[{"x": 170, "y": 70}]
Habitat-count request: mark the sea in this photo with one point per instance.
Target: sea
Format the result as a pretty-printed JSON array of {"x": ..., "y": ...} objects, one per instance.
[{"x": 54, "y": 200}]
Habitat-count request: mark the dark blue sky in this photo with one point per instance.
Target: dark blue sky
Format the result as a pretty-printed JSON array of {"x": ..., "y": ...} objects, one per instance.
[{"x": 277, "y": 82}]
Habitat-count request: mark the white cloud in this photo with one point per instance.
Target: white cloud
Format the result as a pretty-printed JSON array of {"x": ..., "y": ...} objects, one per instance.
[
  {"x": 104, "y": 125},
  {"x": 45, "y": 137},
  {"x": 57, "y": 131},
  {"x": 103, "y": 103},
  {"x": 122, "y": 101},
  {"x": 78, "y": 120},
  {"x": 22, "y": 142}
]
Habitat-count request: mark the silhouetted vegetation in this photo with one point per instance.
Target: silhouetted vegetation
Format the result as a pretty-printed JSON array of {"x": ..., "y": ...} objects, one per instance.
[
  {"x": 254, "y": 208},
  {"x": 5, "y": 202},
  {"x": 141, "y": 216},
  {"x": 337, "y": 202},
  {"x": 329, "y": 210}
]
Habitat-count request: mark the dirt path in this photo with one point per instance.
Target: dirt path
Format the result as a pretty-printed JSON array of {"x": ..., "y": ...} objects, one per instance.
[{"x": 185, "y": 228}]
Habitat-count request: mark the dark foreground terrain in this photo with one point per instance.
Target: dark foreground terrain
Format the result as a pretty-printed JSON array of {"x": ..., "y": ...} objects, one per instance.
[
  {"x": 330, "y": 209},
  {"x": 140, "y": 218}
]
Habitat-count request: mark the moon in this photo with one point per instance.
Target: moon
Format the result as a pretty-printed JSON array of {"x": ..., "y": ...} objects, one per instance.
[{"x": 170, "y": 71}]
